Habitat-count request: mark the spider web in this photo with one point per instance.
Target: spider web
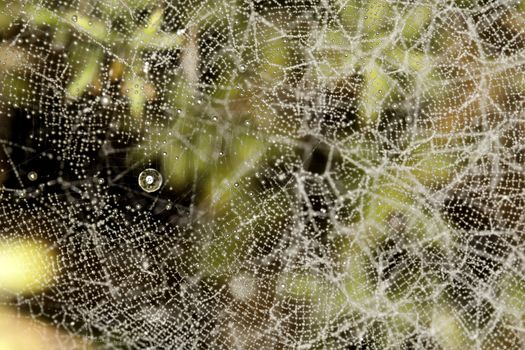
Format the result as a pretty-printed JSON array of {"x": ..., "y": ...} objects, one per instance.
[{"x": 336, "y": 174}]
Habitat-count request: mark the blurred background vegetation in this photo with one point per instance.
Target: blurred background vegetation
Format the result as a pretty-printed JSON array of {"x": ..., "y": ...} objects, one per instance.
[{"x": 324, "y": 164}]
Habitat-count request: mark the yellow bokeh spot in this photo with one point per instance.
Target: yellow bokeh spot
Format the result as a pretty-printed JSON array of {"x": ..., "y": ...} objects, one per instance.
[
  {"x": 25, "y": 266},
  {"x": 19, "y": 332}
]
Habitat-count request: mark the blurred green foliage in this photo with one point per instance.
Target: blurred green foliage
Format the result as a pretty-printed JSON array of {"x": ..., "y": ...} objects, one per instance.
[{"x": 223, "y": 133}]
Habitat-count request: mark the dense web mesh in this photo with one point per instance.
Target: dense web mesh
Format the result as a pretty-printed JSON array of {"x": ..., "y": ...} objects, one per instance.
[{"x": 264, "y": 174}]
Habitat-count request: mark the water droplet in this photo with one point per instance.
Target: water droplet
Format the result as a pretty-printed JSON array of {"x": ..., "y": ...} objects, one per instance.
[
  {"x": 150, "y": 180},
  {"x": 105, "y": 100},
  {"x": 32, "y": 176},
  {"x": 74, "y": 18}
]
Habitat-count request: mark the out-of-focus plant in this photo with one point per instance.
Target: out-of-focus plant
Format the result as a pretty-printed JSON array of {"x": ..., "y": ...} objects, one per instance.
[
  {"x": 29, "y": 268},
  {"x": 221, "y": 133}
]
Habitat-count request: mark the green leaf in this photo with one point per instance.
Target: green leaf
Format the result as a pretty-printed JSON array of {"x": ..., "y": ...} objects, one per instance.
[
  {"x": 94, "y": 29},
  {"x": 416, "y": 21},
  {"x": 377, "y": 87},
  {"x": 377, "y": 15},
  {"x": 86, "y": 75}
]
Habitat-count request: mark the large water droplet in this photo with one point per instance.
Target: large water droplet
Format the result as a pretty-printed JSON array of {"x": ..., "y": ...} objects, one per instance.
[
  {"x": 150, "y": 180},
  {"x": 32, "y": 176}
]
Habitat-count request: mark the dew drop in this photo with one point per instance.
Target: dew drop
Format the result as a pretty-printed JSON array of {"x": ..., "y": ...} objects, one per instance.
[
  {"x": 105, "y": 100},
  {"x": 32, "y": 176},
  {"x": 74, "y": 18},
  {"x": 150, "y": 180}
]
